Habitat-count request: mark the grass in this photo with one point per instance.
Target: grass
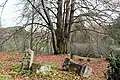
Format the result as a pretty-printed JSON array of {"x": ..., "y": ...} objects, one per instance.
[
  {"x": 52, "y": 75},
  {"x": 5, "y": 77},
  {"x": 10, "y": 68}
]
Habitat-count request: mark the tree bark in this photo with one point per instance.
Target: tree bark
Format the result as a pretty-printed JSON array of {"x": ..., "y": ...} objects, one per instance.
[
  {"x": 62, "y": 32},
  {"x": 60, "y": 36}
]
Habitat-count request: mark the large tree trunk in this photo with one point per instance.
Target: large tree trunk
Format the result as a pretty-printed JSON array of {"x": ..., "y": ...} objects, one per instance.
[
  {"x": 61, "y": 43},
  {"x": 60, "y": 36},
  {"x": 64, "y": 24},
  {"x": 54, "y": 42},
  {"x": 61, "y": 46}
]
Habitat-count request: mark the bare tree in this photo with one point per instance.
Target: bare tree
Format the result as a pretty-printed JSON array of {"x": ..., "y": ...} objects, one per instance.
[
  {"x": 60, "y": 36},
  {"x": 61, "y": 16}
]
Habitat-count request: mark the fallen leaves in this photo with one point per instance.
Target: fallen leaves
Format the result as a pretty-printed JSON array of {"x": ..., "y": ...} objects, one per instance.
[{"x": 99, "y": 66}]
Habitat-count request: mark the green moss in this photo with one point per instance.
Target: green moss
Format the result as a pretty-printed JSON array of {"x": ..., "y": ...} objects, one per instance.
[{"x": 5, "y": 77}]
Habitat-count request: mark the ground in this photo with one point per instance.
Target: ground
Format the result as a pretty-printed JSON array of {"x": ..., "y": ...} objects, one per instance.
[{"x": 8, "y": 60}]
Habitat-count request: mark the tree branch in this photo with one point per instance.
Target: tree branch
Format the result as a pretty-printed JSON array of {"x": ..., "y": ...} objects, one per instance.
[{"x": 38, "y": 11}]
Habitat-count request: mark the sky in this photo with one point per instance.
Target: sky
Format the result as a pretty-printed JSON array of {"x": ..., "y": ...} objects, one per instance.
[{"x": 10, "y": 13}]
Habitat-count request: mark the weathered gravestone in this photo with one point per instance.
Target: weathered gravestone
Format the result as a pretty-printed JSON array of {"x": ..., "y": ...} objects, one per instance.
[
  {"x": 83, "y": 70},
  {"x": 44, "y": 67},
  {"x": 27, "y": 59}
]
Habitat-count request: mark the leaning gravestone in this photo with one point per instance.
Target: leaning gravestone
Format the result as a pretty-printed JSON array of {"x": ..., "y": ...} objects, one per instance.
[{"x": 27, "y": 59}]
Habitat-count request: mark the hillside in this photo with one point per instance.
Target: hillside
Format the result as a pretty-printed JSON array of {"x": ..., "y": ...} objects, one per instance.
[
  {"x": 4, "y": 33},
  {"x": 13, "y": 28}
]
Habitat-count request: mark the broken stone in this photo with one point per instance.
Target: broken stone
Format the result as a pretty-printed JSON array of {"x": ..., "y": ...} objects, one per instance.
[
  {"x": 44, "y": 67},
  {"x": 82, "y": 69}
]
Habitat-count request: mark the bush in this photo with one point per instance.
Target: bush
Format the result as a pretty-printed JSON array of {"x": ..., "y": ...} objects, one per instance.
[{"x": 113, "y": 72}]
